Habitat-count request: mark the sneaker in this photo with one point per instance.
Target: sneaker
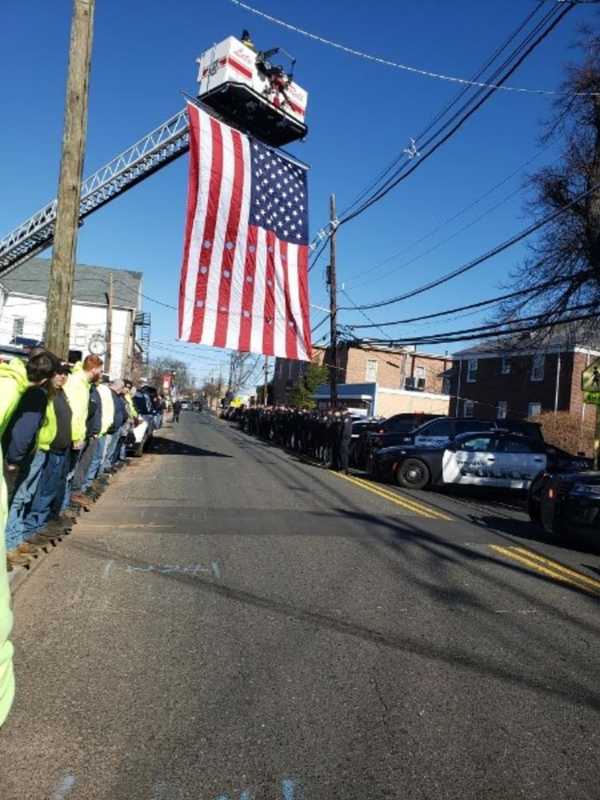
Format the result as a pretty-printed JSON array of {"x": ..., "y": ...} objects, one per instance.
[{"x": 27, "y": 549}]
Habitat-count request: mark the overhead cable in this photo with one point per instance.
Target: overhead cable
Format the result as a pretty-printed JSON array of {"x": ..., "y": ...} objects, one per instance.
[
  {"x": 518, "y": 237},
  {"x": 423, "y": 157},
  {"x": 396, "y": 65}
]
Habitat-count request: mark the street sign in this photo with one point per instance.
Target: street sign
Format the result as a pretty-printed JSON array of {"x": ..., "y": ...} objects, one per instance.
[{"x": 590, "y": 383}]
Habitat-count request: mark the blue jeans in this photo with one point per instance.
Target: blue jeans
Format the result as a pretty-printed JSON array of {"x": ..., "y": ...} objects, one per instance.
[
  {"x": 23, "y": 496},
  {"x": 50, "y": 490},
  {"x": 95, "y": 464},
  {"x": 62, "y": 503}
]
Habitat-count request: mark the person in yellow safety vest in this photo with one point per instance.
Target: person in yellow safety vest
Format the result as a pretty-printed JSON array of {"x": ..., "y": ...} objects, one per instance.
[
  {"x": 77, "y": 392},
  {"x": 15, "y": 378}
]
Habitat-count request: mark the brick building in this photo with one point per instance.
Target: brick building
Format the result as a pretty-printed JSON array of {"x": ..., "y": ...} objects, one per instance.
[
  {"x": 379, "y": 380},
  {"x": 506, "y": 380}
]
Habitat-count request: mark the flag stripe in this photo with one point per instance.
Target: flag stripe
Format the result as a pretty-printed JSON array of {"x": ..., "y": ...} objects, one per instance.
[
  {"x": 239, "y": 260},
  {"x": 269, "y": 307},
  {"x": 260, "y": 277},
  {"x": 231, "y": 233},
  {"x": 221, "y": 215},
  {"x": 295, "y": 313},
  {"x": 291, "y": 349},
  {"x": 279, "y": 343},
  {"x": 246, "y": 321},
  {"x": 191, "y": 223},
  {"x": 213, "y": 167},
  {"x": 304, "y": 304}
]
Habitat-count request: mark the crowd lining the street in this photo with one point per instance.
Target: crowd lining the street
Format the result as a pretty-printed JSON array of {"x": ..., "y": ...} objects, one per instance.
[
  {"x": 325, "y": 436},
  {"x": 64, "y": 431}
]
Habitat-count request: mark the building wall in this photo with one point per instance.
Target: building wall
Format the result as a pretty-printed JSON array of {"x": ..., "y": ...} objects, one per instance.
[
  {"x": 86, "y": 320},
  {"x": 571, "y": 428},
  {"x": 398, "y": 401},
  {"x": 516, "y": 388},
  {"x": 391, "y": 370}
]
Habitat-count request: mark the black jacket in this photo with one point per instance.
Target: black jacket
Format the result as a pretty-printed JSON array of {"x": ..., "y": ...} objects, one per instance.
[
  {"x": 121, "y": 412},
  {"x": 19, "y": 437},
  {"x": 94, "y": 420}
]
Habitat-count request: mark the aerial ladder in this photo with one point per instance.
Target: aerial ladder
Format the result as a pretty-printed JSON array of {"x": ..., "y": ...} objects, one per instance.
[{"x": 236, "y": 83}]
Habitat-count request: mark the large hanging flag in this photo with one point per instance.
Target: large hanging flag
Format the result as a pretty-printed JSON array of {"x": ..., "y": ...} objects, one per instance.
[{"x": 244, "y": 279}]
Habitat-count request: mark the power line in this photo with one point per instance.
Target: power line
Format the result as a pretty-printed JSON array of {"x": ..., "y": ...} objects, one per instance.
[
  {"x": 402, "y": 156},
  {"x": 463, "y": 336},
  {"x": 389, "y": 63},
  {"x": 421, "y": 158},
  {"x": 480, "y": 259},
  {"x": 480, "y": 304},
  {"x": 449, "y": 220}
]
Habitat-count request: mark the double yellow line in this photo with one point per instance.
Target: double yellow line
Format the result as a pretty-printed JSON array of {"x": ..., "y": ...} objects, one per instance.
[
  {"x": 407, "y": 504},
  {"x": 549, "y": 568}
]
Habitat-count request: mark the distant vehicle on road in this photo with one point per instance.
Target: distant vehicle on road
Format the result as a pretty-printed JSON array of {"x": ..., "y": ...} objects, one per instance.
[
  {"x": 490, "y": 458},
  {"x": 185, "y": 405},
  {"x": 566, "y": 504}
]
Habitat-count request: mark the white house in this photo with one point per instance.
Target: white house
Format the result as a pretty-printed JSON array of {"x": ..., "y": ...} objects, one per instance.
[{"x": 23, "y": 307}]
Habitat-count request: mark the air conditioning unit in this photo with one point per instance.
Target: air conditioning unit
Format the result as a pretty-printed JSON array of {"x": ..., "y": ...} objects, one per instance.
[
  {"x": 421, "y": 383},
  {"x": 410, "y": 383}
]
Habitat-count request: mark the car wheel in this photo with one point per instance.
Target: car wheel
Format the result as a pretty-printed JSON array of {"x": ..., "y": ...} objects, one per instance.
[
  {"x": 139, "y": 450},
  {"x": 413, "y": 474}
]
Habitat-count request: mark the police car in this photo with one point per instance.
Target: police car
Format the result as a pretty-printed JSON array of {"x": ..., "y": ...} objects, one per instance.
[
  {"x": 566, "y": 504},
  {"x": 489, "y": 458}
]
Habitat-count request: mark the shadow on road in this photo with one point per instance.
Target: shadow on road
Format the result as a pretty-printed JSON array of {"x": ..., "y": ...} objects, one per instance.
[{"x": 171, "y": 447}]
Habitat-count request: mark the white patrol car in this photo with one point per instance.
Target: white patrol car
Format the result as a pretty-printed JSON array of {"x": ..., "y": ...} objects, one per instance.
[{"x": 490, "y": 458}]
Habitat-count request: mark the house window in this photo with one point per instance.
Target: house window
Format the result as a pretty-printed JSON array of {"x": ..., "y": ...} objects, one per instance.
[
  {"x": 469, "y": 408},
  {"x": 471, "y": 370},
  {"x": 501, "y": 409},
  {"x": 18, "y": 326},
  {"x": 505, "y": 368},
  {"x": 534, "y": 409},
  {"x": 371, "y": 371},
  {"x": 537, "y": 367}
]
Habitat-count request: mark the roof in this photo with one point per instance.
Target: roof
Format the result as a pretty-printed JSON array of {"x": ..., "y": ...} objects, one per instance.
[
  {"x": 576, "y": 336},
  {"x": 91, "y": 283}
]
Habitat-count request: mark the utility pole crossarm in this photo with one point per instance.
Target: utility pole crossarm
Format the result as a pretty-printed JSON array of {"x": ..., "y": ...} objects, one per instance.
[{"x": 158, "y": 148}]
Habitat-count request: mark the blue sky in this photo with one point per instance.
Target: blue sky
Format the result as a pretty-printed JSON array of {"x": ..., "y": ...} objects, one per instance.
[{"x": 361, "y": 115}]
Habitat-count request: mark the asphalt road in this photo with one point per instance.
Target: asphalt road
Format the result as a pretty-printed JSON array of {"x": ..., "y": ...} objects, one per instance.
[{"x": 229, "y": 623}]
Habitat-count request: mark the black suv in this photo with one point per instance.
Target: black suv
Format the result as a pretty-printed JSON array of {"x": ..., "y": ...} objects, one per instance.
[
  {"x": 389, "y": 432},
  {"x": 438, "y": 432}
]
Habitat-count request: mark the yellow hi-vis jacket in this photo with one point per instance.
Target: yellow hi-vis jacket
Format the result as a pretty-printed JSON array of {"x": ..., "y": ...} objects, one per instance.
[{"x": 77, "y": 390}]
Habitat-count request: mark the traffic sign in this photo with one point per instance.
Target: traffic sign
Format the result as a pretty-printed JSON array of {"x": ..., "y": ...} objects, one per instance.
[{"x": 590, "y": 383}]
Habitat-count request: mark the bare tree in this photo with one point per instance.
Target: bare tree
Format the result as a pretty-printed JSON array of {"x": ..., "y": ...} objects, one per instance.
[
  {"x": 565, "y": 258},
  {"x": 243, "y": 371}
]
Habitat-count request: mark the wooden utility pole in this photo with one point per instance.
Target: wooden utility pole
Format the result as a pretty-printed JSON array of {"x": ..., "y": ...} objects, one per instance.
[
  {"x": 332, "y": 281},
  {"x": 109, "y": 316},
  {"x": 60, "y": 295}
]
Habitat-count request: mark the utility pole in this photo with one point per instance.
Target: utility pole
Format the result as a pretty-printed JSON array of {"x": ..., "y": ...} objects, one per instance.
[
  {"x": 109, "y": 314},
  {"x": 60, "y": 295},
  {"x": 332, "y": 281},
  {"x": 266, "y": 393}
]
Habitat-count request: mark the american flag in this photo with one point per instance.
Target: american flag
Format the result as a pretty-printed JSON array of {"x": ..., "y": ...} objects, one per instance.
[{"x": 244, "y": 278}]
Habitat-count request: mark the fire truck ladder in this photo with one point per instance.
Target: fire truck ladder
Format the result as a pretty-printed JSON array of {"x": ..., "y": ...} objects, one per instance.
[{"x": 158, "y": 148}]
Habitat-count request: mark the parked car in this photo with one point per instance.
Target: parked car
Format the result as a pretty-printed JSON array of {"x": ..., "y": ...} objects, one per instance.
[
  {"x": 490, "y": 458},
  {"x": 386, "y": 433},
  {"x": 438, "y": 432},
  {"x": 566, "y": 504}
]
